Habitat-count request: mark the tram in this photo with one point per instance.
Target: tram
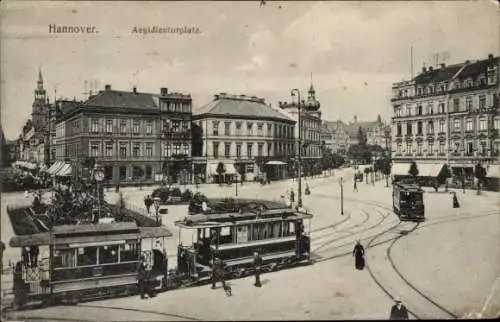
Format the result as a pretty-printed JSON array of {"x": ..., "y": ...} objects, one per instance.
[
  {"x": 407, "y": 201},
  {"x": 277, "y": 232},
  {"x": 82, "y": 262}
]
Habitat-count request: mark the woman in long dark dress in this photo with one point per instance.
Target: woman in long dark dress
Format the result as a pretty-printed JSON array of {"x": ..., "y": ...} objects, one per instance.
[
  {"x": 359, "y": 253},
  {"x": 456, "y": 204}
]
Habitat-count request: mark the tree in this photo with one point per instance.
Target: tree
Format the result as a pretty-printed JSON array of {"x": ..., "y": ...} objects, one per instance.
[
  {"x": 442, "y": 177},
  {"x": 480, "y": 174},
  {"x": 413, "y": 170},
  {"x": 385, "y": 168},
  {"x": 361, "y": 137},
  {"x": 221, "y": 169}
]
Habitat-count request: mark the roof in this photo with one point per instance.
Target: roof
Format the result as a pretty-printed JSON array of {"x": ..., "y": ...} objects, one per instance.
[
  {"x": 331, "y": 126},
  {"x": 92, "y": 228},
  {"x": 123, "y": 99},
  {"x": 352, "y": 129},
  {"x": 242, "y": 106},
  {"x": 476, "y": 68}
]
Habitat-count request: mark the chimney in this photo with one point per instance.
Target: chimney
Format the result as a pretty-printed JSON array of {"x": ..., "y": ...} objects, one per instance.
[
  {"x": 431, "y": 69},
  {"x": 216, "y": 97},
  {"x": 490, "y": 56},
  {"x": 443, "y": 65},
  {"x": 467, "y": 61},
  {"x": 134, "y": 89},
  {"x": 163, "y": 91},
  {"x": 107, "y": 87},
  {"x": 424, "y": 69}
]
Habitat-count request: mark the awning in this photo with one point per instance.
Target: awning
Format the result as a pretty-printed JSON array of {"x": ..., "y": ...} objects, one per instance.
[
  {"x": 211, "y": 169},
  {"x": 230, "y": 169},
  {"x": 64, "y": 171},
  {"x": 493, "y": 171},
  {"x": 55, "y": 167},
  {"x": 400, "y": 169},
  {"x": 428, "y": 169},
  {"x": 275, "y": 162}
]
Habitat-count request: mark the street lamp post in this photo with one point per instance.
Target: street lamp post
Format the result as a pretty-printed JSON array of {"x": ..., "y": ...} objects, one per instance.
[
  {"x": 156, "y": 202},
  {"x": 341, "y": 196},
  {"x": 293, "y": 92}
]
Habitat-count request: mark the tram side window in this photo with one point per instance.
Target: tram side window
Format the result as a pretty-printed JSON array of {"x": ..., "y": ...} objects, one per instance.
[
  {"x": 64, "y": 258},
  {"x": 129, "y": 252},
  {"x": 226, "y": 236},
  {"x": 291, "y": 230},
  {"x": 108, "y": 254},
  {"x": 87, "y": 256},
  {"x": 275, "y": 229}
]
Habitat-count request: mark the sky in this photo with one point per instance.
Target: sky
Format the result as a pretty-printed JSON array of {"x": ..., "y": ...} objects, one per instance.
[{"x": 353, "y": 51}]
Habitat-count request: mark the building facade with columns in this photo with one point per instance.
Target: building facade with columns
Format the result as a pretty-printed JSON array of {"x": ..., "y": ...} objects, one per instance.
[
  {"x": 245, "y": 134},
  {"x": 448, "y": 114},
  {"x": 136, "y": 137},
  {"x": 310, "y": 126}
]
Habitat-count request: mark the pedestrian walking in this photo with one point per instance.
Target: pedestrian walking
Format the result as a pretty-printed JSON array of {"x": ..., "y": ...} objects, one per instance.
[
  {"x": 355, "y": 185},
  {"x": 148, "y": 202},
  {"x": 359, "y": 254},
  {"x": 456, "y": 204},
  {"x": 257, "y": 263},
  {"x": 398, "y": 311},
  {"x": 292, "y": 196},
  {"x": 34, "y": 251},
  {"x": 217, "y": 273},
  {"x": 2, "y": 248},
  {"x": 142, "y": 278}
]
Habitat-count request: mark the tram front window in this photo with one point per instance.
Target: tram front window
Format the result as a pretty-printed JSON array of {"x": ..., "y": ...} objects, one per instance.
[
  {"x": 87, "y": 256},
  {"x": 413, "y": 199},
  {"x": 108, "y": 254},
  {"x": 64, "y": 258},
  {"x": 129, "y": 253}
]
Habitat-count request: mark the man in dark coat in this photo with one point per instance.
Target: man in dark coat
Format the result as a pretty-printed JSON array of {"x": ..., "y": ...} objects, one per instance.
[
  {"x": 359, "y": 253},
  {"x": 2, "y": 248},
  {"x": 355, "y": 184},
  {"x": 257, "y": 263},
  {"x": 456, "y": 204},
  {"x": 399, "y": 311},
  {"x": 292, "y": 196},
  {"x": 142, "y": 279},
  {"x": 217, "y": 273},
  {"x": 148, "y": 202}
]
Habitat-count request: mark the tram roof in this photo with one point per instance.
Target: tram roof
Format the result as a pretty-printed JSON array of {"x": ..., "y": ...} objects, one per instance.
[
  {"x": 100, "y": 233},
  {"x": 223, "y": 219},
  {"x": 409, "y": 186}
]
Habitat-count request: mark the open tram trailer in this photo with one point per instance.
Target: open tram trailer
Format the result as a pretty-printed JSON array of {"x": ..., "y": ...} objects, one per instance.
[
  {"x": 277, "y": 234},
  {"x": 89, "y": 261},
  {"x": 408, "y": 202}
]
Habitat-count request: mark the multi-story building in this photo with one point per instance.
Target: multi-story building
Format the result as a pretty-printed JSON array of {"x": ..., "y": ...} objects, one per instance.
[
  {"x": 334, "y": 136},
  {"x": 448, "y": 115},
  {"x": 134, "y": 136},
  {"x": 244, "y": 133},
  {"x": 310, "y": 128}
]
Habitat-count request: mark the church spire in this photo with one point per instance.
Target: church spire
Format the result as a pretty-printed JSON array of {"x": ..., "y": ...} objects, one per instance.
[
  {"x": 311, "y": 89},
  {"x": 40, "y": 78}
]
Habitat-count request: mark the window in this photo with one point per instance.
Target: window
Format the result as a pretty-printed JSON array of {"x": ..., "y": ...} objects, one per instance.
[
  {"x": 259, "y": 129},
  {"x": 456, "y": 125},
  {"x": 430, "y": 127},
  {"x": 430, "y": 109},
  {"x": 430, "y": 146},
  {"x": 468, "y": 104},
  {"x": 149, "y": 149},
  {"x": 408, "y": 147},
  {"x": 456, "y": 105},
  {"x": 129, "y": 252},
  {"x": 419, "y": 110},
  {"x": 269, "y": 148},
  {"x": 123, "y": 126},
  {"x": 269, "y": 129},
  {"x": 442, "y": 128},
  {"x": 457, "y": 147},
  {"x": 87, "y": 256},
  {"x": 482, "y": 147},
  {"x": 419, "y": 91},
  {"x": 419, "y": 148},
  {"x": 398, "y": 111},
  {"x": 94, "y": 126},
  {"x": 469, "y": 148},
  {"x": 123, "y": 150},
  {"x": 94, "y": 149},
  {"x": 482, "y": 101},
  {"x": 249, "y": 128},
  {"x": 259, "y": 149},
  {"x": 149, "y": 172},
  {"x": 441, "y": 147},
  {"x": 108, "y": 254},
  {"x": 109, "y": 149},
  {"x": 238, "y": 150},
  {"x": 398, "y": 148},
  {"x": 216, "y": 149},
  {"x": 136, "y": 149},
  {"x": 227, "y": 128},
  {"x": 468, "y": 125},
  {"x": 64, "y": 258},
  {"x": 149, "y": 127},
  {"x": 123, "y": 173},
  {"x": 419, "y": 128},
  {"x": 215, "y": 128},
  {"x": 482, "y": 124},
  {"x": 136, "y": 127},
  {"x": 441, "y": 108},
  {"x": 249, "y": 149},
  {"x": 408, "y": 129},
  {"x": 496, "y": 123},
  {"x": 398, "y": 129},
  {"x": 238, "y": 128},
  {"x": 176, "y": 126},
  {"x": 109, "y": 126},
  {"x": 227, "y": 150}
]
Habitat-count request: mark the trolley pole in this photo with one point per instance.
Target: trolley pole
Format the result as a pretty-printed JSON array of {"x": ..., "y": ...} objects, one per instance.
[
  {"x": 299, "y": 201},
  {"x": 341, "y": 196}
]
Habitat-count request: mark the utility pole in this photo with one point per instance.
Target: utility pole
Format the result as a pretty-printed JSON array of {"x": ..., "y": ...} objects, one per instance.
[
  {"x": 299, "y": 201},
  {"x": 341, "y": 196}
]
